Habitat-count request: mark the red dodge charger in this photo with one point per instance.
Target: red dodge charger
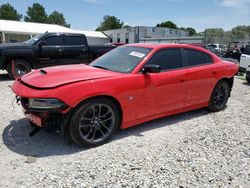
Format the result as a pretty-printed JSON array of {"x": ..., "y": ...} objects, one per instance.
[{"x": 129, "y": 85}]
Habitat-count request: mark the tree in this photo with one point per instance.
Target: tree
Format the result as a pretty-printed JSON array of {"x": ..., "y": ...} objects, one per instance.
[
  {"x": 7, "y": 12},
  {"x": 110, "y": 22},
  {"x": 215, "y": 32},
  {"x": 191, "y": 31},
  {"x": 167, "y": 24},
  {"x": 241, "y": 32},
  {"x": 36, "y": 13},
  {"x": 57, "y": 18}
]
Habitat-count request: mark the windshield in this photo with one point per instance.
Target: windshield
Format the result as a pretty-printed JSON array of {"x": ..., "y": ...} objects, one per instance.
[
  {"x": 34, "y": 39},
  {"x": 123, "y": 59}
]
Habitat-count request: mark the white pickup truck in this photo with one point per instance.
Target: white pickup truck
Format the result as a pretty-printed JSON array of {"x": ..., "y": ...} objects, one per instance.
[{"x": 245, "y": 62}]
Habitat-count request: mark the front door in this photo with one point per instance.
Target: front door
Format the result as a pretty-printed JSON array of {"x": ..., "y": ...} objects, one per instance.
[
  {"x": 49, "y": 53},
  {"x": 165, "y": 91}
]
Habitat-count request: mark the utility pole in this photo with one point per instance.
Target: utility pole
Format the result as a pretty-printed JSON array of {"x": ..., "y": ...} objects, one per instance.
[{"x": 205, "y": 36}]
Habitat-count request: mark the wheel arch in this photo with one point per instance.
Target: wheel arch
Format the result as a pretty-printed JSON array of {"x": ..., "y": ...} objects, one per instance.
[
  {"x": 8, "y": 60},
  {"x": 109, "y": 97},
  {"x": 229, "y": 80}
]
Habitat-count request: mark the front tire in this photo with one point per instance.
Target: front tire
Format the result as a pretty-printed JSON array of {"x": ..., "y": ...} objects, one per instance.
[
  {"x": 219, "y": 97},
  {"x": 94, "y": 122},
  {"x": 18, "y": 68}
]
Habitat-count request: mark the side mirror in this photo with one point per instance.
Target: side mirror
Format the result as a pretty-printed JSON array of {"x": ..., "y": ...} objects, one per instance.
[
  {"x": 42, "y": 43},
  {"x": 151, "y": 68}
]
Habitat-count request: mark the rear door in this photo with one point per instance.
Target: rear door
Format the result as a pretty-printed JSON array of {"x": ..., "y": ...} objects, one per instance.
[
  {"x": 74, "y": 50},
  {"x": 164, "y": 91},
  {"x": 201, "y": 76},
  {"x": 245, "y": 58}
]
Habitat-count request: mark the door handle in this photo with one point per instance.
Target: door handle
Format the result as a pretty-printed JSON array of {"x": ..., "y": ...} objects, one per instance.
[
  {"x": 243, "y": 56},
  {"x": 182, "y": 80},
  {"x": 214, "y": 72}
]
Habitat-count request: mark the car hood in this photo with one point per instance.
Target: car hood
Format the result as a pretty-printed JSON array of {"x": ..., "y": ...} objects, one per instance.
[
  {"x": 48, "y": 78},
  {"x": 14, "y": 46}
]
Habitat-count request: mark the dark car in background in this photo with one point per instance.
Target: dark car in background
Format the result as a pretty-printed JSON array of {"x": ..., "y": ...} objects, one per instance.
[{"x": 48, "y": 49}]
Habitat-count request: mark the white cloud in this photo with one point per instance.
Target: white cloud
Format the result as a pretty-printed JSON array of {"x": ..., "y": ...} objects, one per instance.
[{"x": 235, "y": 3}]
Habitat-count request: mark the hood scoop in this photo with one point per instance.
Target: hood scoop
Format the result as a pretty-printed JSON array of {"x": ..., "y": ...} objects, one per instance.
[{"x": 43, "y": 71}]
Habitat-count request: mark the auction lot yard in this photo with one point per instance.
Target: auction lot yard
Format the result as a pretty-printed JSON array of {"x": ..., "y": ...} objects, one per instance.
[{"x": 193, "y": 149}]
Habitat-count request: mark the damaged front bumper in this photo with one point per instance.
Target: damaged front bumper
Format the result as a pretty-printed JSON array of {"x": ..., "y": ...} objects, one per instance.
[{"x": 49, "y": 118}]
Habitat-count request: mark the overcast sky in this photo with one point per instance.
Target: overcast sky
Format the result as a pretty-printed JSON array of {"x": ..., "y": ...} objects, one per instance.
[{"x": 199, "y": 14}]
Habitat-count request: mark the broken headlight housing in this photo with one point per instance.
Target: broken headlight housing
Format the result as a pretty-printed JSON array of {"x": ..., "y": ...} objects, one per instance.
[{"x": 46, "y": 104}]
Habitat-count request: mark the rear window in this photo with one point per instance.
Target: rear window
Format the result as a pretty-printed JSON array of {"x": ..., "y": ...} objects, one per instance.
[
  {"x": 195, "y": 57},
  {"x": 73, "y": 40},
  {"x": 247, "y": 50}
]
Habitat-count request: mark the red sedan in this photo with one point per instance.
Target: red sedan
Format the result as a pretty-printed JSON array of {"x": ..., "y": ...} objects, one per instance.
[{"x": 131, "y": 84}]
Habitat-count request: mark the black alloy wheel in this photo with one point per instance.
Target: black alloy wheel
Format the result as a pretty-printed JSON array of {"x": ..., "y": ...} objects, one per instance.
[
  {"x": 219, "y": 96},
  {"x": 94, "y": 122}
]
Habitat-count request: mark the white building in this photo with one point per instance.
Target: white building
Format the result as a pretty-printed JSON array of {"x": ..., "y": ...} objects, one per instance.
[
  {"x": 180, "y": 40},
  {"x": 140, "y": 33},
  {"x": 16, "y": 31}
]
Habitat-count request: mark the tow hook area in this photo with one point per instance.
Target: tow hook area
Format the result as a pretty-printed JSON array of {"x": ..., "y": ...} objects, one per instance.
[{"x": 18, "y": 99}]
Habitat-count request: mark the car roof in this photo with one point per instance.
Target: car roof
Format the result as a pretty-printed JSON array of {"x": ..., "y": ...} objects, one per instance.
[
  {"x": 167, "y": 45},
  {"x": 159, "y": 46},
  {"x": 63, "y": 33}
]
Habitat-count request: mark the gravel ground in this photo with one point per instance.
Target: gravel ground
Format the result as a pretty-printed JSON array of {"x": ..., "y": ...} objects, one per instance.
[{"x": 194, "y": 149}]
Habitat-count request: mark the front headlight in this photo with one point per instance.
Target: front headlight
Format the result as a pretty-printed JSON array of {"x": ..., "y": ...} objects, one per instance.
[{"x": 46, "y": 104}]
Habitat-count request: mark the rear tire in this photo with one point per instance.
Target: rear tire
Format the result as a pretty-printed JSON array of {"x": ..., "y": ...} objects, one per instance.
[
  {"x": 18, "y": 68},
  {"x": 219, "y": 97},
  {"x": 94, "y": 122},
  {"x": 248, "y": 77}
]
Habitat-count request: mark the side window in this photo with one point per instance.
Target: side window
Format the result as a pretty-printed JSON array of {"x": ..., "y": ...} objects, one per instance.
[
  {"x": 208, "y": 59},
  {"x": 167, "y": 59},
  {"x": 195, "y": 57},
  {"x": 53, "y": 41},
  {"x": 73, "y": 40},
  {"x": 247, "y": 50}
]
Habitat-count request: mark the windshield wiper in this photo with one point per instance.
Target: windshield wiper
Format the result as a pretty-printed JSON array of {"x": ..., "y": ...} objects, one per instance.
[{"x": 97, "y": 66}]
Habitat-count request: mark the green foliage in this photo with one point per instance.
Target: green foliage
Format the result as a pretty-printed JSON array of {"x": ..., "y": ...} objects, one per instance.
[
  {"x": 7, "y": 12},
  {"x": 192, "y": 31},
  {"x": 215, "y": 32},
  {"x": 109, "y": 22},
  {"x": 241, "y": 32},
  {"x": 167, "y": 24},
  {"x": 218, "y": 35},
  {"x": 36, "y": 13},
  {"x": 57, "y": 18}
]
